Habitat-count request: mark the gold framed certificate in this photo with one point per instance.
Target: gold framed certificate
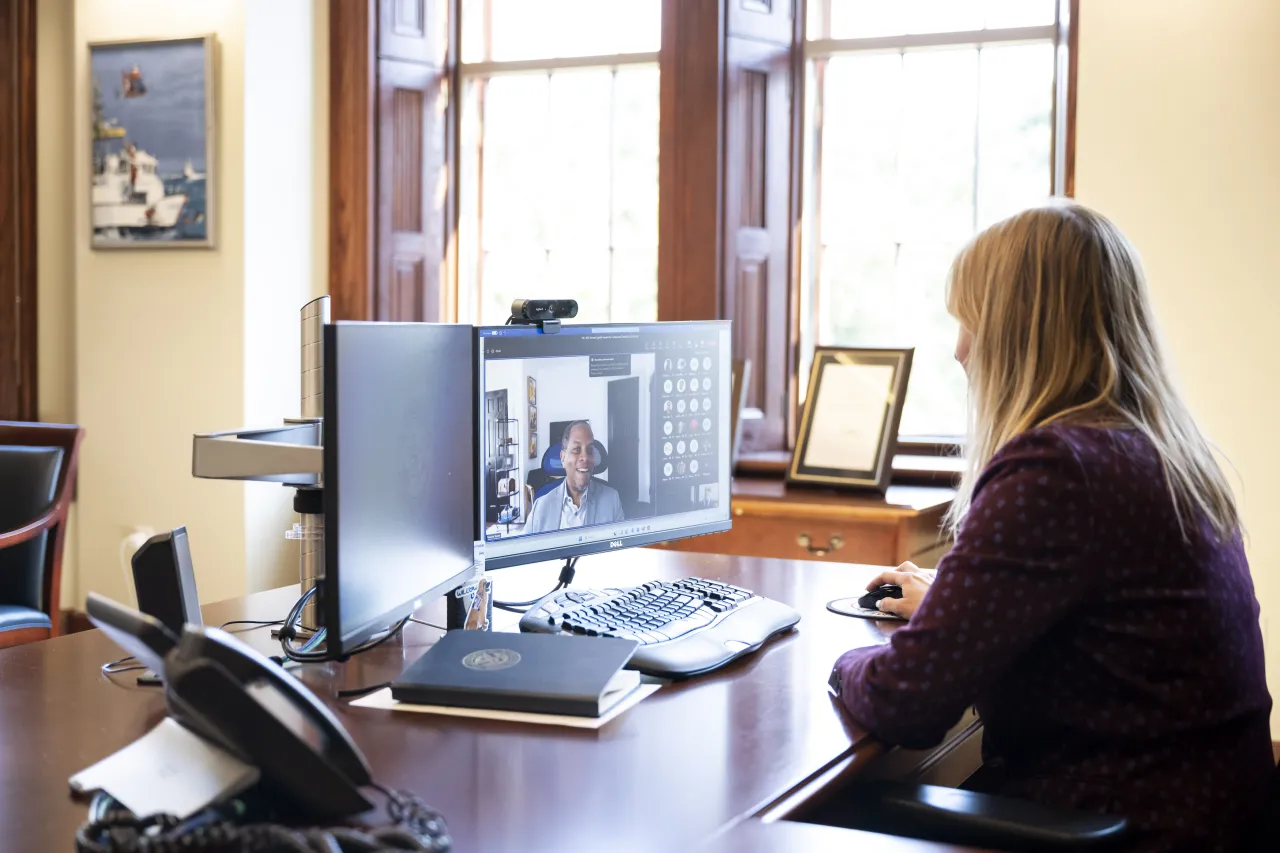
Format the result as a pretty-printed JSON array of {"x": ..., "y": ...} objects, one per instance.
[{"x": 849, "y": 426}]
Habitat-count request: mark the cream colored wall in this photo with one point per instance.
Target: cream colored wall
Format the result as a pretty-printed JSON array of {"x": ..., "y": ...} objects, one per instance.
[
  {"x": 55, "y": 251},
  {"x": 1178, "y": 140},
  {"x": 279, "y": 226},
  {"x": 146, "y": 347},
  {"x": 160, "y": 333}
]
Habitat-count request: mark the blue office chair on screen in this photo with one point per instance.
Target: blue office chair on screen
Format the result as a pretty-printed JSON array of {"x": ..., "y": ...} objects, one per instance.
[{"x": 546, "y": 477}]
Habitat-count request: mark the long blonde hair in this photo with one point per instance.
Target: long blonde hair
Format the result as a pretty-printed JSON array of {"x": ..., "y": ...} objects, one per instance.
[{"x": 1063, "y": 331}]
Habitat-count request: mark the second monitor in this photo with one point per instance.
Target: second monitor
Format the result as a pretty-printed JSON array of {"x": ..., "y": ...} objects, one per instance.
[{"x": 601, "y": 437}]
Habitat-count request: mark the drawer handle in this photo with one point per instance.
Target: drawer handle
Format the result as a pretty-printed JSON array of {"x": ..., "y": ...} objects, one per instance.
[{"x": 834, "y": 544}]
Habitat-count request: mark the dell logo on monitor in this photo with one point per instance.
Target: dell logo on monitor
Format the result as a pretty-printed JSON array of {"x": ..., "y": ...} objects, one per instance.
[{"x": 616, "y": 543}]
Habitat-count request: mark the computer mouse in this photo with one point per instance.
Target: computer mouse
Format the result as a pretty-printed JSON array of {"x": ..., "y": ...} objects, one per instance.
[{"x": 889, "y": 590}]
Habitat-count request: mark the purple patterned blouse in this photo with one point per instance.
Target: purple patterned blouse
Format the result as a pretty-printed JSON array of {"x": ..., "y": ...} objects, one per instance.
[{"x": 1116, "y": 667}]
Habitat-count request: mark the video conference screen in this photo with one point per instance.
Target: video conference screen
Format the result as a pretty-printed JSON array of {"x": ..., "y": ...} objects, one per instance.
[{"x": 601, "y": 437}]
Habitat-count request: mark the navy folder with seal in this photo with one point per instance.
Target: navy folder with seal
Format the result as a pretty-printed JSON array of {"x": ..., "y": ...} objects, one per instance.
[{"x": 507, "y": 671}]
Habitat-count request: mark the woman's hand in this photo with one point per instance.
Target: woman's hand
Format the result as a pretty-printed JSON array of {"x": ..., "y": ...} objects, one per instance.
[{"x": 915, "y": 582}]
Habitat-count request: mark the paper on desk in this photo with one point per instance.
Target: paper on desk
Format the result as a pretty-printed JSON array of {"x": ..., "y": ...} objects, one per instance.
[
  {"x": 382, "y": 700},
  {"x": 168, "y": 770}
]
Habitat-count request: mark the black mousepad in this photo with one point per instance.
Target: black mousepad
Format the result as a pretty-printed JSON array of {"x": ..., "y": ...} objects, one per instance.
[{"x": 849, "y": 607}]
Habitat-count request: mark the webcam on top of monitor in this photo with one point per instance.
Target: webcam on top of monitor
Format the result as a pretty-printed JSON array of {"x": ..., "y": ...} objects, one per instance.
[{"x": 546, "y": 314}]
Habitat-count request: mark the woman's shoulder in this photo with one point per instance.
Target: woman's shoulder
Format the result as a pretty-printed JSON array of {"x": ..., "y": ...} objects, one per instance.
[{"x": 1073, "y": 452}]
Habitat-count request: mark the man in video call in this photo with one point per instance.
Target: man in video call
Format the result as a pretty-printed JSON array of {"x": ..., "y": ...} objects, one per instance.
[{"x": 578, "y": 501}]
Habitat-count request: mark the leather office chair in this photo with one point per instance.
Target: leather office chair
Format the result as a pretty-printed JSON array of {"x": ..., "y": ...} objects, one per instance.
[
  {"x": 549, "y": 475},
  {"x": 952, "y": 816},
  {"x": 38, "y": 471}
]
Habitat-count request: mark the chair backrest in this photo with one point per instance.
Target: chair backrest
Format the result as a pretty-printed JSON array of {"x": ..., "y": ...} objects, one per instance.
[
  {"x": 552, "y": 471},
  {"x": 1263, "y": 834},
  {"x": 30, "y": 477},
  {"x": 38, "y": 468}
]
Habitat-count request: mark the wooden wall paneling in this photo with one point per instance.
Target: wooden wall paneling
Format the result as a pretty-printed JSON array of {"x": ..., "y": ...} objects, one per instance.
[
  {"x": 391, "y": 196},
  {"x": 766, "y": 20},
  {"x": 352, "y": 149},
  {"x": 412, "y": 180},
  {"x": 413, "y": 30},
  {"x": 414, "y": 188},
  {"x": 758, "y": 215},
  {"x": 18, "y": 211},
  {"x": 689, "y": 159},
  {"x": 1062, "y": 146},
  {"x": 1073, "y": 63},
  {"x": 799, "y": 129}
]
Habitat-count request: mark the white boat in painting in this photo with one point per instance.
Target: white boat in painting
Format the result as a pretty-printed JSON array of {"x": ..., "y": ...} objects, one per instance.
[
  {"x": 189, "y": 172},
  {"x": 129, "y": 196}
]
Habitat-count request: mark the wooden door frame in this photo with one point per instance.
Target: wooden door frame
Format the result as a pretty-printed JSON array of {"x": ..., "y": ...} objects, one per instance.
[
  {"x": 18, "y": 232},
  {"x": 352, "y": 147}
]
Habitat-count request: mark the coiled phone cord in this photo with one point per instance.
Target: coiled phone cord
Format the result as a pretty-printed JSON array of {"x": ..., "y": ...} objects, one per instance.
[{"x": 417, "y": 828}]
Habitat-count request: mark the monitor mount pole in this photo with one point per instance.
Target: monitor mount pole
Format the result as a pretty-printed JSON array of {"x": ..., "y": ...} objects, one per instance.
[{"x": 291, "y": 454}]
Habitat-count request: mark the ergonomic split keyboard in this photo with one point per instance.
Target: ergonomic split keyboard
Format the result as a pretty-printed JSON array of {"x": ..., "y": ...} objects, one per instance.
[{"x": 684, "y": 627}]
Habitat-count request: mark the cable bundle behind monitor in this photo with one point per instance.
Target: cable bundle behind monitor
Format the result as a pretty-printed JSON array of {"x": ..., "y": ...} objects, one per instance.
[
  {"x": 306, "y": 653},
  {"x": 566, "y": 578}
]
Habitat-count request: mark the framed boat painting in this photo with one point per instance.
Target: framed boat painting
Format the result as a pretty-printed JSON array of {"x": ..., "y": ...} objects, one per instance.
[{"x": 152, "y": 134}]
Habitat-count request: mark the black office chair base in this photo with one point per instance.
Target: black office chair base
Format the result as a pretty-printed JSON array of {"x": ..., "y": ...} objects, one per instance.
[{"x": 954, "y": 816}]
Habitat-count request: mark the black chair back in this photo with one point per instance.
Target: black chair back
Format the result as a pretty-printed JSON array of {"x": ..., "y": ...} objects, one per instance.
[
  {"x": 30, "y": 478},
  {"x": 1264, "y": 834}
]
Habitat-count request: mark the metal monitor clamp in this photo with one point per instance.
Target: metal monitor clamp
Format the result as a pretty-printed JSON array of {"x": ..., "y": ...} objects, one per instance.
[{"x": 291, "y": 454}]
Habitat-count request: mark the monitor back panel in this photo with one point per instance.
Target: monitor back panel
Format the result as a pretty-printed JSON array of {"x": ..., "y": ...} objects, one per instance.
[{"x": 399, "y": 482}]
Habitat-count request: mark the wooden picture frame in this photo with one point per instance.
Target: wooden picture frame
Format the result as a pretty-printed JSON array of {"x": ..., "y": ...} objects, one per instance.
[
  {"x": 739, "y": 380},
  {"x": 152, "y": 143},
  {"x": 849, "y": 426}
]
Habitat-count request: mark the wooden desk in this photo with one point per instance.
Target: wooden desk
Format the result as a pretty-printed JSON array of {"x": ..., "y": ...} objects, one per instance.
[
  {"x": 672, "y": 772},
  {"x": 753, "y": 836},
  {"x": 771, "y": 520}
]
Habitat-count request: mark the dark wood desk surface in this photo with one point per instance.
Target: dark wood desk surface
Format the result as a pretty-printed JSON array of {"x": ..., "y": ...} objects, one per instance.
[
  {"x": 684, "y": 764},
  {"x": 754, "y": 836}
]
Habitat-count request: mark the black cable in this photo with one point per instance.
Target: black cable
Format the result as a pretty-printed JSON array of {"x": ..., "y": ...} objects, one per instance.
[
  {"x": 360, "y": 691},
  {"x": 108, "y": 667},
  {"x": 303, "y": 655},
  {"x": 110, "y": 828},
  {"x": 567, "y": 571},
  {"x": 256, "y": 623}
]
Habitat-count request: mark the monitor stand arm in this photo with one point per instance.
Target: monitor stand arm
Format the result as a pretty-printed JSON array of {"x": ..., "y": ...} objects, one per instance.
[{"x": 291, "y": 454}]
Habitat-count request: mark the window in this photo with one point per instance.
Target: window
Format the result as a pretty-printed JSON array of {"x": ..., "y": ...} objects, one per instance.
[
  {"x": 927, "y": 120},
  {"x": 559, "y": 157}
]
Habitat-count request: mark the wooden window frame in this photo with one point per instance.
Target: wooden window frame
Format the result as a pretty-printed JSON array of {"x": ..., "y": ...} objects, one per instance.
[
  {"x": 696, "y": 59},
  {"x": 483, "y": 72},
  {"x": 18, "y": 153},
  {"x": 1064, "y": 33}
]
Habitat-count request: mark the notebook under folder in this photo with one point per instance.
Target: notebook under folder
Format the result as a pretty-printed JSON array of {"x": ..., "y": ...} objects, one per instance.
[{"x": 536, "y": 673}]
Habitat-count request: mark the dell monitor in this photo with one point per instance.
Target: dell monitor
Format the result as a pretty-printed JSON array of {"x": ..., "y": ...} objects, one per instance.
[
  {"x": 595, "y": 438},
  {"x": 399, "y": 473}
]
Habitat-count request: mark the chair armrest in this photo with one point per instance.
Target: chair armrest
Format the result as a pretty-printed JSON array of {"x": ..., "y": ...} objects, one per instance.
[
  {"x": 982, "y": 820},
  {"x": 30, "y": 531}
]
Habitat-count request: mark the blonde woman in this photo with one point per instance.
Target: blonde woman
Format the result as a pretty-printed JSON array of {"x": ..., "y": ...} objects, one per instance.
[{"x": 1097, "y": 606}]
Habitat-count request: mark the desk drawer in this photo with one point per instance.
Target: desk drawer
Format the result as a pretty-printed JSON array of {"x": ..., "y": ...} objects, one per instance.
[{"x": 801, "y": 539}]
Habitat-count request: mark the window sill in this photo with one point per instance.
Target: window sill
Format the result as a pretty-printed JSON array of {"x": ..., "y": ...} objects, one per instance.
[{"x": 911, "y": 466}]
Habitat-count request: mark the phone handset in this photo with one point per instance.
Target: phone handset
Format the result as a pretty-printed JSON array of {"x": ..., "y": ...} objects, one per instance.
[{"x": 226, "y": 693}]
